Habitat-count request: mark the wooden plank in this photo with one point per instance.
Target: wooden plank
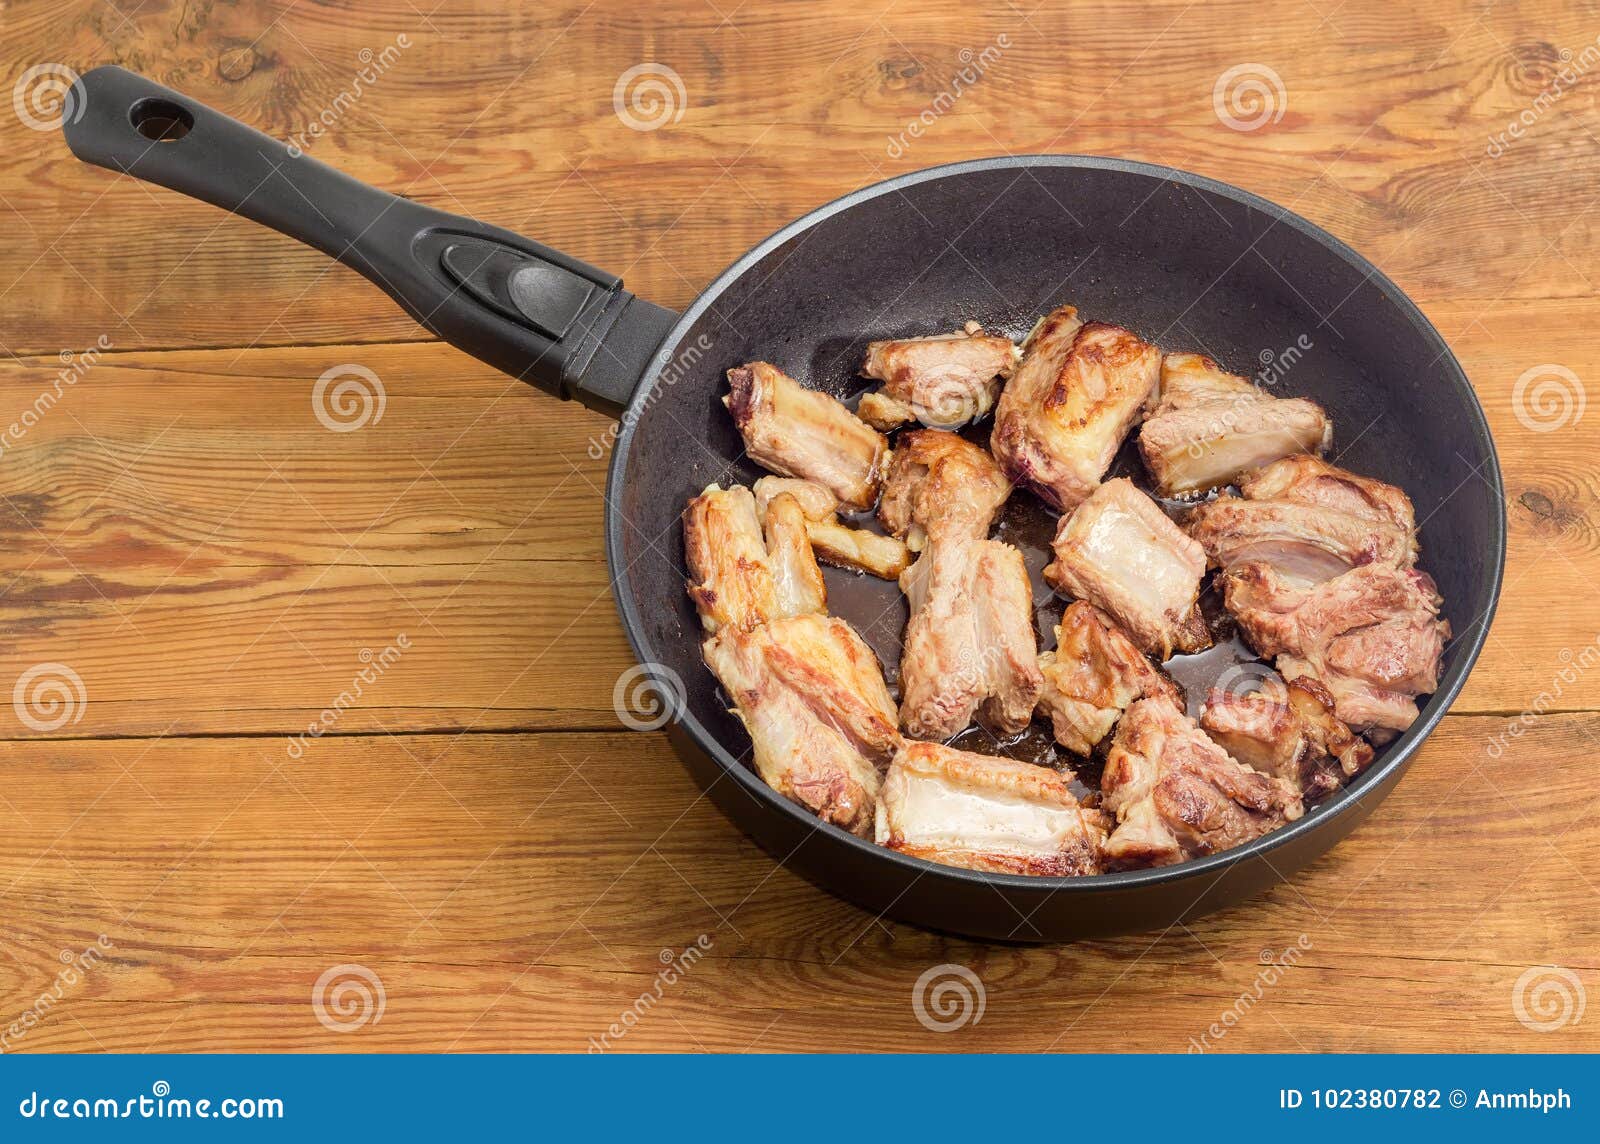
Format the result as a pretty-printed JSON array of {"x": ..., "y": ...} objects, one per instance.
[
  {"x": 504, "y": 114},
  {"x": 517, "y": 891}
]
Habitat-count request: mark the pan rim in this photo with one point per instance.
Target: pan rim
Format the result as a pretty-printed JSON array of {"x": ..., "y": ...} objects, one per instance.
[{"x": 1397, "y": 756}]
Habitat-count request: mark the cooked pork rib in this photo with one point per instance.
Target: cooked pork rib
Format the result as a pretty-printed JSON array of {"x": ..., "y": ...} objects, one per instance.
[
  {"x": 815, "y": 501},
  {"x": 970, "y": 646},
  {"x": 1120, "y": 552},
  {"x": 1371, "y": 636},
  {"x": 738, "y": 577},
  {"x": 812, "y": 696},
  {"x": 938, "y": 480},
  {"x": 858, "y": 550},
  {"x": 1092, "y": 676},
  {"x": 945, "y": 380},
  {"x": 1178, "y": 795},
  {"x": 985, "y": 813},
  {"x": 1078, "y": 390},
  {"x": 1309, "y": 520},
  {"x": 800, "y": 432},
  {"x": 1289, "y": 731},
  {"x": 1209, "y": 426}
]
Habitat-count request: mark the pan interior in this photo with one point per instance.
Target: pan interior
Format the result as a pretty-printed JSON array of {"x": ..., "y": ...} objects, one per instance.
[{"x": 1186, "y": 263}]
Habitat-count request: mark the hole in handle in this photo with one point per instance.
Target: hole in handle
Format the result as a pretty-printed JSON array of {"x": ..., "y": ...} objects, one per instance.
[{"x": 161, "y": 120}]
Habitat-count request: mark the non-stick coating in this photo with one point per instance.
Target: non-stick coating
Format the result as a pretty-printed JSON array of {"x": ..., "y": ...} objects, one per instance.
[{"x": 1187, "y": 263}]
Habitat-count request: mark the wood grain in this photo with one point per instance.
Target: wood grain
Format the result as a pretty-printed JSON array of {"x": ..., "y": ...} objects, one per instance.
[{"x": 213, "y": 563}]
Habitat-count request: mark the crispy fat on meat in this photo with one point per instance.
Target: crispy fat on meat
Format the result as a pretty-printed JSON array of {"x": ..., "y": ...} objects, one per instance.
[
  {"x": 1062, "y": 416},
  {"x": 800, "y": 432},
  {"x": 1177, "y": 795},
  {"x": 1120, "y": 552},
  {"x": 1209, "y": 426},
  {"x": 1371, "y": 637},
  {"x": 1095, "y": 672},
  {"x": 1288, "y": 730},
  {"x": 812, "y": 696},
  {"x": 985, "y": 813},
  {"x": 945, "y": 380},
  {"x": 939, "y": 480},
  {"x": 1308, "y": 519},
  {"x": 970, "y": 646}
]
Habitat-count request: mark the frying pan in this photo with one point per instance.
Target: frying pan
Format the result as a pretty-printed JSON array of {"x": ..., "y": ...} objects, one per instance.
[{"x": 1188, "y": 262}]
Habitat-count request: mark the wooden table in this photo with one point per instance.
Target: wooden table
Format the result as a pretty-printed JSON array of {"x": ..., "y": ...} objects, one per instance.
[{"x": 477, "y": 832}]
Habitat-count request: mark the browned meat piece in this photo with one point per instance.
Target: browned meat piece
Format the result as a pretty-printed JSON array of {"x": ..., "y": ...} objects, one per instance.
[
  {"x": 812, "y": 696},
  {"x": 970, "y": 646},
  {"x": 815, "y": 501},
  {"x": 1309, "y": 520},
  {"x": 939, "y": 480},
  {"x": 984, "y": 813},
  {"x": 883, "y": 412},
  {"x": 1178, "y": 795},
  {"x": 800, "y": 432},
  {"x": 1311, "y": 480},
  {"x": 1092, "y": 676},
  {"x": 1077, "y": 392},
  {"x": 1120, "y": 552},
  {"x": 1287, "y": 730},
  {"x": 858, "y": 550},
  {"x": 1209, "y": 426},
  {"x": 945, "y": 380},
  {"x": 1372, "y": 636},
  {"x": 738, "y": 577}
]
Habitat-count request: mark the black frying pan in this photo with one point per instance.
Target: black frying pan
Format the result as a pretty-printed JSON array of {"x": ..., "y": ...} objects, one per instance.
[{"x": 1185, "y": 261}]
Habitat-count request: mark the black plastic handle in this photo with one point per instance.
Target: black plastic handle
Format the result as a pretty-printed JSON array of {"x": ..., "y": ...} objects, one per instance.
[{"x": 523, "y": 308}]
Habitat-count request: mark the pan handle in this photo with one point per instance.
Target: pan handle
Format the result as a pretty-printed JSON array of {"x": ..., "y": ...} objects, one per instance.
[{"x": 531, "y": 311}]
